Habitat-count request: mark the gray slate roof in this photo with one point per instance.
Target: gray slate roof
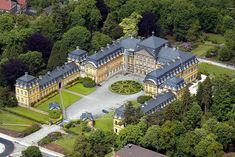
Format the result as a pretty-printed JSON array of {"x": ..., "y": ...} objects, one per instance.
[
  {"x": 173, "y": 83},
  {"x": 78, "y": 55},
  {"x": 168, "y": 70},
  {"x": 153, "y": 42},
  {"x": 86, "y": 116},
  {"x": 129, "y": 43},
  {"x": 119, "y": 112},
  {"x": 58, "y": 74},
  {"x": 26, "y": 78},
  {"x": 158, "y": 101},
  {"x": 54, "y": 106},
  {"x": 107, "y": 53}
]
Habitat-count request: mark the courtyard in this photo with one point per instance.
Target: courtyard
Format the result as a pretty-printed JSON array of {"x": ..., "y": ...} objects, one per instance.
[{"x": 101, "y": 98}]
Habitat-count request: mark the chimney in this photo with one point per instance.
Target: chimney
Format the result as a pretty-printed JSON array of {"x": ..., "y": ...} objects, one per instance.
[
  {"x": 129, "y": 145},
  {"x": 26, "y": 73},
  {"x": 174, "y": 48},
  {"x": 108, "y": 45},
  {"x": 77, "y": 47},
  {"x": 102, "y": 49},
  {"x": 48, "y": 72},
  {"x": 40, "y": 77}
]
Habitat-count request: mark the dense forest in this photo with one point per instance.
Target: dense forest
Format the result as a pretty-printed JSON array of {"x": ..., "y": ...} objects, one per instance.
[{"x": 201, "y": 125}]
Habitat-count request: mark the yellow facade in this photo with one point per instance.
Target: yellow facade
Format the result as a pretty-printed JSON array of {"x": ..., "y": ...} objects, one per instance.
[
  {"x": 29, "y": 96},
  {"x": 118, "y": 125}
]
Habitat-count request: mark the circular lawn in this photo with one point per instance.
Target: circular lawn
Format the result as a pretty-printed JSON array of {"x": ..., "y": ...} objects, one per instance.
[{"x": 126, "y": 87}]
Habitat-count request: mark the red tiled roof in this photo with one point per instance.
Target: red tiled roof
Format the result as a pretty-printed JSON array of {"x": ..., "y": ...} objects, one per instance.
[
  {"x": 137, "y": 151},
  {"x": 21, "y": 2},
  {"x": 6, "y": 5}
]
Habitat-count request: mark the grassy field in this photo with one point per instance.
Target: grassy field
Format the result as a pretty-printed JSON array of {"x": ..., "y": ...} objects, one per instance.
[
  {"x": 27, "y": 113},
  {"x": 79, "y": 88},
  {"x": 68, "y": 99},
  {"x": 202, "y": 49},
  {"x": 67, "y": 142},
  {"x": 215, "y": 38},
  {"x": 13, "y": 122},
  {"x": 214, "y": 70},
  {"x": 105, "y": 122}
]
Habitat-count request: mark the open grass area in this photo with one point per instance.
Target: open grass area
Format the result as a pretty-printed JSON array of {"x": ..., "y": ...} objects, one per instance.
[
  {"x": 68, "y": 99},
  {"x": 67, "y": 142},
  {"x": 79, "y": 88},
  {"x": 126, "y": 87},
  {"x": 202, "y": 49},
  {"x": 214, "y": 70},
  {"x": 27, "y": 113},
  {"x": 13, "y": 122},
  {"x": 215, "y": 38},
  {"x": 105, "y": 122}
]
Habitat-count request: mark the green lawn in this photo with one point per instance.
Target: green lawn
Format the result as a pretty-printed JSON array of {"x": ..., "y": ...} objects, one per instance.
[
  {"x": 79, "y": 88},
  {"x": 216, "y": 38},
  {"x": 67, "y": 142},
  {"x": 68, "y": 99},
  {"x": 105, "y": 122},
  {"x": 214, "y": 70},
  {"x": 202, "y": 49},
  {"x": 27, "y": 113},
  {"x": 8, "y": 120},
  {"x": 135, "y": 103}
]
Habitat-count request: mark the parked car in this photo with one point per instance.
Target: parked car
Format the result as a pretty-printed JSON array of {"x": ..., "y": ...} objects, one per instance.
[
  {"x": 105, "y": 111},
  {"x": 99, "y": 85}
]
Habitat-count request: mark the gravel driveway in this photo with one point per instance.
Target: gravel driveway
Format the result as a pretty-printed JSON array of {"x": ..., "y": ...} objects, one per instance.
[{"x": 100, "y": 99}]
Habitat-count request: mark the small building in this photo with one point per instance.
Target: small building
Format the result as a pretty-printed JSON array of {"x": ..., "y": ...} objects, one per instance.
[
  {"x": 87, "y": 116},
  {"x": 132, "y": 150},
  {"x": 13, "y": 6},
  {"x": 54, "y": 106},
  {"x": 118, "y": 118}
]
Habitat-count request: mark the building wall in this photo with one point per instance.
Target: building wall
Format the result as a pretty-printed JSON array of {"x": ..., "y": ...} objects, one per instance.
[
  {"x": 116, "y": 127},
  {"x": 143, "y": 63},
  {"x": 29, "y": 96}
]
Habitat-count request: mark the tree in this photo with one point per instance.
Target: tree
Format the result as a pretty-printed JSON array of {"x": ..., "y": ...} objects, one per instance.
[
  {"x": 143, "y": 98},
  {"x": 193, "y": 117},
  {"x": 208, "y": 19},
  {"x": 130, "y": 24},
  {"x": 111, "y": 26},
  {"x": 156, "y": 118},
  {"x": 31, "y": 151},
  {"x": 11, "y": 71},
  {"x": 7, "y": 97},
  {"x": 150, "y": 139},
  {"x": 204, "y": 94},
  {"x": 225, "y": 22},
  {"x": 58, "y": 55},
  {"x": 131, "y": 134},
  {"x": 40, "y": 43},
  {"x": 82, "y": 147},
  {"x": 186, "y": 99},
  {"x": 209, "y": 147},
  {"x": 132, "y": 114},
  {"x": 86, "y": 14},
  {"x": 99, "y": 40},
  {"x": 76, "y": 36},
  {"x": 147, "y": 24},
  {"x": 6, "y": 22},
  {"x": 33, "y": 60}
]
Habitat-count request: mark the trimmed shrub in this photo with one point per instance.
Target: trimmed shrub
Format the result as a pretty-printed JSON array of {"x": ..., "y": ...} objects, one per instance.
[
  {"x": 143, "y": 98},
  {"x": 54, "y": 114},
  {"x": 31, "y": 129},
  {"x": 88, "y": 82},
  {"x": 50, "y": 138},
  {"x": 32, "y": 151}
]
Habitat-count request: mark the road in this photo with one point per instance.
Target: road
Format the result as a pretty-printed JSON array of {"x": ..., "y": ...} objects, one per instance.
[
  {"x": 216, "y": 63},
  {"x": 8, "y": 147}
]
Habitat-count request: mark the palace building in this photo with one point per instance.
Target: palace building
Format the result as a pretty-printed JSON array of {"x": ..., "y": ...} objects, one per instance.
[{"x": 166, "y": 70}]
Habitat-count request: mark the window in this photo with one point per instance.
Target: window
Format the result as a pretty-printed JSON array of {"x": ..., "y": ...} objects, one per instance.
[
  {"x": 17, "y": 90},
  {"x": 116, "y": 130},
  {"x": 21, "y": 91},
  {"x": 116, "y": 122}
]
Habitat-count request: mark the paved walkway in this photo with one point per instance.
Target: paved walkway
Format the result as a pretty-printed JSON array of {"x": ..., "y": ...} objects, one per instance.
[
  {"x": 216, "y": 63},
  {"x": 100, "y": 99},
  {"x": 33, "y": 138}
]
